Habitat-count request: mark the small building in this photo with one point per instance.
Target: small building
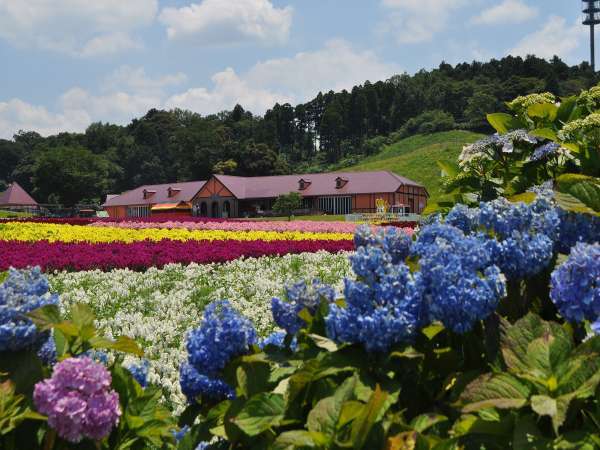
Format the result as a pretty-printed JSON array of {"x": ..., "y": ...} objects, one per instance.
[
  {"x": 331, "y": 193},
  {"x": 171, "y": 198},
  {"x": 16, "y": 198}
]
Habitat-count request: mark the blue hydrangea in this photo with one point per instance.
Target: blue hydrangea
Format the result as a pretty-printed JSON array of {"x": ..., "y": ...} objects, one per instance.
[
  {"x": 140, "y": 371},
  {"x": 462, "y": 285},
  {"x": 575, "y": 227},
  {"x": 299, "y": 296},
  {"x": 393, "y": 241},
  {"x": 180, "y": 434},
  {"x": 277, "y": 339},
  {"x": 96, "y": 355},
  {"x": 47, "y": 352},
  {"x": 463, "y": 218},
  {"x": 383, "y": 305},
  {"x": 575, "y": 284},
  {"x": 220, "y": 444},
  {"x": 545, "y": 151},
  {"x": 21, "y": 293},
  {"x": 521, "y": 236},
  {"x": 194, "y": 385},
  {"x": 223, "y": 335}
]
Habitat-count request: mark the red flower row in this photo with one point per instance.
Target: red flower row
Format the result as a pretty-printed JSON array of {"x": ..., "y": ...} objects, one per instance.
[{"x": 143, "y": 254}]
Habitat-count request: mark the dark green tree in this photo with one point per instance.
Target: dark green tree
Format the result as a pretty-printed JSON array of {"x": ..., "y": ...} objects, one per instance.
[{"x": 286, "y": 204}]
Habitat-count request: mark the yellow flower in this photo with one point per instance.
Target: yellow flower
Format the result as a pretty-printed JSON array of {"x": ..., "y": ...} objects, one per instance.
[{"x": 78, "y": 233}]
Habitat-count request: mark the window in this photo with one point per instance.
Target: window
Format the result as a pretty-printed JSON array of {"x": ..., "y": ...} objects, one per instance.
[
  {"x": 138, "y": 211},
  {"x": 336, "y": 205}
]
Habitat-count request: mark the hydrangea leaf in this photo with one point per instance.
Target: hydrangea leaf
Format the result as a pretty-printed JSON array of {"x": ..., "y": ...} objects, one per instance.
[
  {"x": 260, "y": 413},
  {"x": 525, "y": 197},
  {"x": 571, "y": 203},
  {"x": 584, "y": 188},
  {"x": 299, "y": 439},
  {"x": 567, "y": 110},
  {"x": 448, "y": 169},
  {"x": 494, "y": 390},
  {"x": 324, "y": 417},
  {"x": 45, "y": 317},
  {"x": 503, "y": 122},
  {"x": 370, "y": 414},
  {"x": 544, "y": 111},
  {"x": 323, "y": 342},
  {"x": 544, "y": 133},
  {"x": 425, "y": 421},
  {"x": 555, "y": 408}
]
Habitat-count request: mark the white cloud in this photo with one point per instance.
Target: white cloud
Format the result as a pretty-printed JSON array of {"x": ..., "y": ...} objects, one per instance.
[
  {"x": 76, "y": 27},
  {"x": 556, "y": 37},
  {"x": 126, "y": 93},
  {"x": 129, "y": 92},
  {"x": 415, "y": 21},
  {"x": 227, "y": 21},
  {"x": 509, "y": 11},
  {"x": 336, "y": 66}
]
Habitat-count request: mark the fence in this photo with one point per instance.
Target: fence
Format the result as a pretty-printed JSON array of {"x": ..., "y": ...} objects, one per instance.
[{"x": 379, "y": 217}]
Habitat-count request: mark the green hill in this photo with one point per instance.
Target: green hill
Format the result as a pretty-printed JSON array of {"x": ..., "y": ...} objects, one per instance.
[{"x": 415, "y": 157}]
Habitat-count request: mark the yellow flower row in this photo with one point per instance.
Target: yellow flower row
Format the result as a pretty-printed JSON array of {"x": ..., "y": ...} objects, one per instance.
[{"x": 78, "y": 233}]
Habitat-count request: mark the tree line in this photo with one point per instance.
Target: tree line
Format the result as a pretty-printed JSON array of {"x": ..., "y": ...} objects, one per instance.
[{"x": 177, "y": 145}]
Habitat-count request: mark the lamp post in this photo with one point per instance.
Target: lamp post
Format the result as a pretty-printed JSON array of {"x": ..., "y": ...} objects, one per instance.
[{"x": 591, "y": 11}]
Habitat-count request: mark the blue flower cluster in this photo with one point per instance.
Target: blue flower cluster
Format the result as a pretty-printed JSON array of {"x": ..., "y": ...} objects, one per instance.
[
  {"x": 462, "y": 285},
  {"x": 277, "y": 339},
  {"x": 299, "y": 296},
  {"x": 575, "y": 284},
  {"x": 180, "y": 434},
  {"x": 47, "y": 352},
  {"x": 545, "y": 151},
  {"x": 217, "y": 445},
  {"x": 394, "y": 242},
  {"x": 223, "y": 335},
  {"x": 21, "y": 293},
  {"x": 520, "y": 237},
  {"x": 574, "y": 228},
  {"x": 140, "y": 371}
]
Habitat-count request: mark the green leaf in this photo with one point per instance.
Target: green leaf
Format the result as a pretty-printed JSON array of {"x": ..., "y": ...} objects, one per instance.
[
  {"x": 567, "y": 109},
  {"x": 424, "y": 421},
  {"x": 408, "y": 353},
  {"x": 323, "y": 342},
  {"x": 350, "y": 411},
  {"x": 494, "y": 390},
  {"x": 544, "y": 111},
  {"x": 45, "y": 317},
  {"x": 433, "y": 330},
  {"x": 370, "y": 414},
  {"x": 544, "y": 133},
  {"x": 324, "y": 417},
  {"x": 260, "y": 413},
  {"x": 555, "y": 408},
  {"x": 448, "y": 169},
  {"x": 525, "y": 197},
  {"x": 298, "y": 439},
  {"x": 503, "y": 123},
  {"x": 122, "y": 344},
  {"x": 584, "y": 188},
  {"x": 82, "y": 315},
  {"x": 570, "y": 203}
]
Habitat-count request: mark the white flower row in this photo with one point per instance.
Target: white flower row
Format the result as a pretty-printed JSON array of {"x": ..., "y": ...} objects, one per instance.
[{"x": 159, "y": 306}]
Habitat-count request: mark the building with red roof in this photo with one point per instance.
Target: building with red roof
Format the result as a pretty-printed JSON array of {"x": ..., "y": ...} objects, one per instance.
[
  {"x": 233, "y": 196},
  {"x": 17, "y": 198}
]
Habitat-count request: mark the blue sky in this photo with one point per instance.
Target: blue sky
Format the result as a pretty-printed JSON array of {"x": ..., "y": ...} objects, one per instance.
[{"x": 67, "y": 63}]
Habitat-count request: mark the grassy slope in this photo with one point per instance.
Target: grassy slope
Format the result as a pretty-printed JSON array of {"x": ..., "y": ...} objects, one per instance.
[{"x": 415, "y": 157}]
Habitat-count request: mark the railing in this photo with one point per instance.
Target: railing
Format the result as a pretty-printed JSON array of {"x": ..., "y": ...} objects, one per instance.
[{"x": 382, "y": 217}]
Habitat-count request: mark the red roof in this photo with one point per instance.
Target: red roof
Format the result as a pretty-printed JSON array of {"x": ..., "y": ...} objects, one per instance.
[
  {"x": 317, "y": 184},
  {"x": 15, "y": 195},
  {"x": 156, "y": 193}
]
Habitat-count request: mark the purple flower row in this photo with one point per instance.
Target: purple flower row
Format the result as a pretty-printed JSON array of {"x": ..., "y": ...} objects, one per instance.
[{"x": 143, "y": 254}]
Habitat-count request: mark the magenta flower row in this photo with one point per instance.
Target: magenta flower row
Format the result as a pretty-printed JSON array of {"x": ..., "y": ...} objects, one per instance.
[{"x": 143, "y": 254}]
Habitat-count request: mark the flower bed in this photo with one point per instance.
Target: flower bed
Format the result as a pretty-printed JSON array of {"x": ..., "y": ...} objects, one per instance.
[
  {"x": 143, "y": 254},
  {"x": 158, "y": 306},
  {"x": 75, "y": 233}
]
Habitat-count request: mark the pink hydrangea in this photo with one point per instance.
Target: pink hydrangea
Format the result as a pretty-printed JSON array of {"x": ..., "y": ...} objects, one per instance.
[{"x": 78, "y": 400}]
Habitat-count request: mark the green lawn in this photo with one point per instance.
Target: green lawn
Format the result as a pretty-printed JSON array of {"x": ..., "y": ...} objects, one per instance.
[
  {"x": 415, "y": 157},
  {"x": 10, "y": 214}
]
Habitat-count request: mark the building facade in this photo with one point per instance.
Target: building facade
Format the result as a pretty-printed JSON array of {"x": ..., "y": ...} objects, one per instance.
[
  {"x": 233, "y": 196},
  {"x": 331, "y": 193}
]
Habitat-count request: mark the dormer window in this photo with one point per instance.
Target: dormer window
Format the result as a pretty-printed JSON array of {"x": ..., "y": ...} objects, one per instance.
[
  {"x": 172, "y": 192},
  {"x": 340, "y": 182},
  {"x": 303, "y": 184},
  {"x": 148, "y": 193}
]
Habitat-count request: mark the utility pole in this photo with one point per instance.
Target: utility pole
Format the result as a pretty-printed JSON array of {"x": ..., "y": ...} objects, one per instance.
[{"x": 591, "y": 11}]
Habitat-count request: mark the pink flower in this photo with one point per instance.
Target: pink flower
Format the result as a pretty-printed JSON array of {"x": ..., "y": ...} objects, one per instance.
[{"x": 78, "y": 400}]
